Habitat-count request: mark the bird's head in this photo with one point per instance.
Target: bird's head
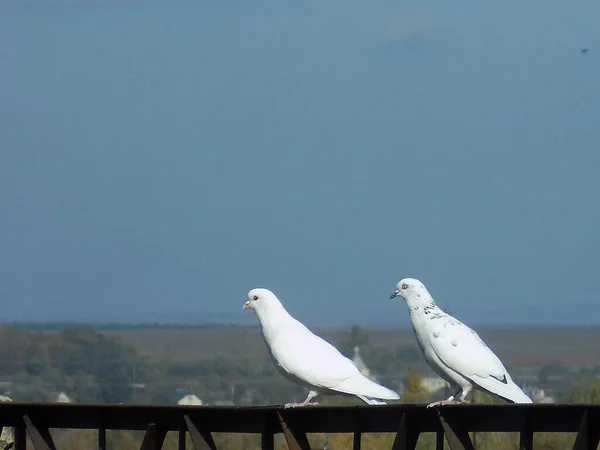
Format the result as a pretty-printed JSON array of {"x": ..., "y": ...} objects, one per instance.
[
  {"x": 413, "y": 292},
  {"x": 260, "y": 299}
]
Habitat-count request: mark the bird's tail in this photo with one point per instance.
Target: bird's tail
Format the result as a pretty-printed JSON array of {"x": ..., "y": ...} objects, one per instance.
[
  {"x": 516, "y": 395},
  {"x": 361, "y": 386},
  {"x": 371, "y": 401},
  {"x": 507, "y": 389}
]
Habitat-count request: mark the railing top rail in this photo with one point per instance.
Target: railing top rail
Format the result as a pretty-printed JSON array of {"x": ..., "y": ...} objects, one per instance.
[{"x": 329, "y": 419}]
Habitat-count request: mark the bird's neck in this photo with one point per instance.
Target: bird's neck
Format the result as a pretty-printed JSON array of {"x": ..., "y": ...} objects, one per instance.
[
  {"x": 423, "y": 306},
  {"x": 272, "y": 318}
]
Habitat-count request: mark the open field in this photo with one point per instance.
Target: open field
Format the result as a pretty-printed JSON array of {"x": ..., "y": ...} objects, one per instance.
[{"x": 515, "y": 346}]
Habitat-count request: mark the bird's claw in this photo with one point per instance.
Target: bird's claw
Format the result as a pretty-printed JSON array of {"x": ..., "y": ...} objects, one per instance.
[
  {"x": 442, "y": 403},
  {"x": 298, "y": 405}
]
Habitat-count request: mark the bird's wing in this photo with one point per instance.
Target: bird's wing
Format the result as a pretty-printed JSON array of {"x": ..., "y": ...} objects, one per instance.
[
  {"x": 310, "y": 358},
  {"x": 307, "y": 356},
  {"x": 462, "y": 350}
]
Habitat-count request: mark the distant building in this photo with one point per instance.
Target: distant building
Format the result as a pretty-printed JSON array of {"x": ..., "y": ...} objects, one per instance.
[
  {"x": 360, "y": 364},
  {"x": 540, "y": 396},
  {"x": 63, "y": 398},
  {"x": 189, "y": 399}
]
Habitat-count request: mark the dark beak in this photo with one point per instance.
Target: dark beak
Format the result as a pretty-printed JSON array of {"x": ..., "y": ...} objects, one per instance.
[{"x": 394, "y": 294}]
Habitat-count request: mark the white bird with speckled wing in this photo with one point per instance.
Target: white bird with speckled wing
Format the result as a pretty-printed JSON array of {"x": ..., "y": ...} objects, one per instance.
[
  {"x": 453, "y": 350},
  {"x": 306, "y": 359}
]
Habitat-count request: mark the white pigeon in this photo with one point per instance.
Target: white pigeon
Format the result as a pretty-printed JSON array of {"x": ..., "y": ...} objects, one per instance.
[
  {"x": 306, "y": 359},
  {"x": 453, "y": 350}
]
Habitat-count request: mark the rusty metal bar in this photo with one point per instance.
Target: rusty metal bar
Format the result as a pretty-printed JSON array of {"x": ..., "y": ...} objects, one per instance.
[
  {"x": 588, "y": 436},
  {"x": 201, "y": 439},
  {"x": 154, "y": 437},
  {"x": 458, "y": 439},
  {"x": 405, "y": 439},
  {"x": 40, "y": 438},
  {"x": 295, "y": 438}
]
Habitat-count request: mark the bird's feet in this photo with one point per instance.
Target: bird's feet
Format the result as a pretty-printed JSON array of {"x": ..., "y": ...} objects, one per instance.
[
  {"x": 298, "y": 405},
  {"x": 442, "y": 403},
  {"x": 449, "y": 402}
]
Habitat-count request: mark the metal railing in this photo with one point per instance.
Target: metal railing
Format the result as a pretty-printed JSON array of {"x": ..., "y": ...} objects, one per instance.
[{"x": 452, "y": 423}]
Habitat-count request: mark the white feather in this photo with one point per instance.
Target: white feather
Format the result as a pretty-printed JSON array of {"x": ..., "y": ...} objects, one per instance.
[
  {"x": 453, "y": 350},
  {"x": 306, "y": 358}
]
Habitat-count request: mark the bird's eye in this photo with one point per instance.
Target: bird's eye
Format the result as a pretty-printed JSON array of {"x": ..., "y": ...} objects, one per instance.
[
  {"x": 255, "y": 297},
  {"x": 404, "y": 286}
]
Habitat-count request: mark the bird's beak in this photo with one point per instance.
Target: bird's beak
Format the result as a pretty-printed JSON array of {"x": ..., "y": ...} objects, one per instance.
[
  {"x": 394, "y": 294},
  {"x": 246, "y": 305}
]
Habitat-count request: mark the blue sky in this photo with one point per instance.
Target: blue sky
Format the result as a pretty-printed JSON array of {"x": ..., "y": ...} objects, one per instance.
[{"x": 158, "y": 160}]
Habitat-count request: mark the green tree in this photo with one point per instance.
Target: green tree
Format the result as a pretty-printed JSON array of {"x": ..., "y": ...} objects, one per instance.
[
  {"x": 585, "y": 391},
  {"x": 413, "y": 392}
]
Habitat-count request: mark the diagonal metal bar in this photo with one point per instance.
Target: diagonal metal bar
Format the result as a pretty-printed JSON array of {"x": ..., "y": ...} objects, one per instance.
[
  {"x": 154, "y": 437},
  {"x": 201, "y": 438},
  {"x": 295, "y": 438},
  {"x": 458, "y": 439},
  {"x": 40, "y": 438},
  {"x": 588, "y": 436},
  {"x": 405, "y": 439}
]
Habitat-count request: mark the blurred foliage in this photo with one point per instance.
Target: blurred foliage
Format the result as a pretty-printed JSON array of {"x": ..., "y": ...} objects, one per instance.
[
  {"x": 89, "y": 366},
  {"x": 585, "y": 391},
  {"x": 413, "y": 392}
]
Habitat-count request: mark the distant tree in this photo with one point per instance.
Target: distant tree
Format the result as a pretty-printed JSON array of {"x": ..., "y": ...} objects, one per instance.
[
  {"x": 551, "y": 370},
  {"x": 585, "y": 391},
  {"x": 87, "y": 365},
  {"x": 413, "y": 392}
]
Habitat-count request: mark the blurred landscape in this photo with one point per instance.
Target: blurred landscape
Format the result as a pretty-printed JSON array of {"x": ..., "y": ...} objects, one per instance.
[
  {"x": 228, "y": 365},
  {"x": 224, "y": 365}
]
